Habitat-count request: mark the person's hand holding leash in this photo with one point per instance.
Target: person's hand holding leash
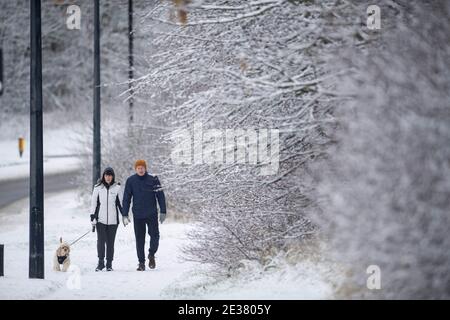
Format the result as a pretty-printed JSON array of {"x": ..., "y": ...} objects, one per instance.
[{"x": 93, "y": 222}]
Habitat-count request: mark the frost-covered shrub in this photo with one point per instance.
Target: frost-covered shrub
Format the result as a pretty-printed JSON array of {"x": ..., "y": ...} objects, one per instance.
[
  {"x": 243, "y": 65},
  {"x": 388, "y": 177}
]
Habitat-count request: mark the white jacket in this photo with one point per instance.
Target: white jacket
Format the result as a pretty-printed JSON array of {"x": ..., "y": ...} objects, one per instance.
[{"x": 106, "y": 203}]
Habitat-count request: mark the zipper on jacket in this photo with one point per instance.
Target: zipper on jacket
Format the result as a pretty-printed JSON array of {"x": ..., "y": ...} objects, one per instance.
[{"x": 107, "y": 198}]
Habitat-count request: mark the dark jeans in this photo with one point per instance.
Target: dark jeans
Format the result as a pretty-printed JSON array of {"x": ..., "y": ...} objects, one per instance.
[
  {"x": 140, "y": 230},
  {"x": 106, "y": 235}
]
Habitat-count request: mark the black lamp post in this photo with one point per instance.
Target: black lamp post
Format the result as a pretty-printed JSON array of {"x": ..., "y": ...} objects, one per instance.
[
  {"x": 36, "y": 259},
  {"x": 97, "y": 142}
]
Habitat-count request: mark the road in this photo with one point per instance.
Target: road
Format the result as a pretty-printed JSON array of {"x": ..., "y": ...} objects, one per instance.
[{"x": 13, "y": 190}]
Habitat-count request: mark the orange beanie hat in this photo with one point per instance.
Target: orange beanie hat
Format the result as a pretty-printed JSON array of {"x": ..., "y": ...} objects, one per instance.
[{"x": 140, "y": 162}]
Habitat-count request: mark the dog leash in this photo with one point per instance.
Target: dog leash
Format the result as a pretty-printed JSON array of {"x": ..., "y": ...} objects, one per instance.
[{"x": 81, "y": 237}]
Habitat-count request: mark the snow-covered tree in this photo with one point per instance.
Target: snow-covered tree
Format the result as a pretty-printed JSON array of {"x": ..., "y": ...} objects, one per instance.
[
  {"x": 67, "y": 59},
  {"x": 386, "y": 182},
  {"x": 241, "y": 65}
]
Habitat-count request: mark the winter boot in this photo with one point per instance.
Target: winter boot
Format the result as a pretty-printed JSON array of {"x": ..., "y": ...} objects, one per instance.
[
  {"x": 109, "y": 266},
  {"x": 151, "y": 261},
  {"x": 141, "y": 267},
  {"x": 100, "y": 266}
]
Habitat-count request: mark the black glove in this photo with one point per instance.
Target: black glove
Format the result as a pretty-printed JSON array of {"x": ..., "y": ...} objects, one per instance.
[{"x": 93, "y": 222}]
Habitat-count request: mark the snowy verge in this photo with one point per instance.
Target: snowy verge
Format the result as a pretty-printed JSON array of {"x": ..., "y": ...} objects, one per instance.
[
  {"x": 172, "y": 279},
  {"x": 304, "y": 280},
  {"x": 60, "y": 154}
]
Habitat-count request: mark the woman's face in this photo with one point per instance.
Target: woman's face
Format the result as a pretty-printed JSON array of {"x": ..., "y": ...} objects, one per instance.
[{"x": 108, "y": 178}]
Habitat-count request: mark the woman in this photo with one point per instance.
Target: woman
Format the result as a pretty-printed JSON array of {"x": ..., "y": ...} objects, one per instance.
[{"x": 105, "y": 206}]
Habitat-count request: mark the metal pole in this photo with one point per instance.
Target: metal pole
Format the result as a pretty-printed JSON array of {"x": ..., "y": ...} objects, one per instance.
[
  {"x": 130, "y": 59},
  {"x": 36, "y": 260},
  {"x": 97, "y": 141},
  {"x": 1, "y": 260},
  {"x": 1, "y": 71}
]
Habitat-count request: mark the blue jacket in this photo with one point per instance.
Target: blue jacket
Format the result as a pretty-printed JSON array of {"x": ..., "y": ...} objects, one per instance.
[{"x": 145, "y": 191}]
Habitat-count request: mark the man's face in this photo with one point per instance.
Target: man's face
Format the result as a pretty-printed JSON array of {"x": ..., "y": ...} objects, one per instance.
[{"x": 140, "y": 170}]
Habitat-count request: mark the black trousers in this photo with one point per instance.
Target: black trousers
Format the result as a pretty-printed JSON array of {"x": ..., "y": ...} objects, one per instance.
[
  {"x": 106, "y": 235},
  {"x": 140, "y": 230}
]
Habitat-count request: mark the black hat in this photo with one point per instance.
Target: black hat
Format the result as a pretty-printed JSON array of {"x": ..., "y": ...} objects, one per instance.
[{"x": 109, "y": 171}]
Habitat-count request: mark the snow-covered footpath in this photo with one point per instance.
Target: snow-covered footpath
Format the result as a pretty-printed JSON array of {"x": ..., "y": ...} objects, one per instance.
[
  {"x": 63, "y": 217},
  {"x": 172, "y": 279}
]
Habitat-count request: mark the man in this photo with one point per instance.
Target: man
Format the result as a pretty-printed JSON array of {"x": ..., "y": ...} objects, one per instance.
[{"x": 145, "y": 190}]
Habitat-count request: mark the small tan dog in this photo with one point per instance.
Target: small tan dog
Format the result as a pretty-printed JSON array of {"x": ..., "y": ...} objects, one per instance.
[{"x": 62, "y": 257}]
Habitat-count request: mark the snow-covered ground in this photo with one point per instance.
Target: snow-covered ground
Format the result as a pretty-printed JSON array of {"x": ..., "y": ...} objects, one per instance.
[
  {"x": 61, "y": 147},
  {"x": 172, "y": 279},
  {"x": 63, "y": 217},
  {"x": 302, "y": 281}
]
